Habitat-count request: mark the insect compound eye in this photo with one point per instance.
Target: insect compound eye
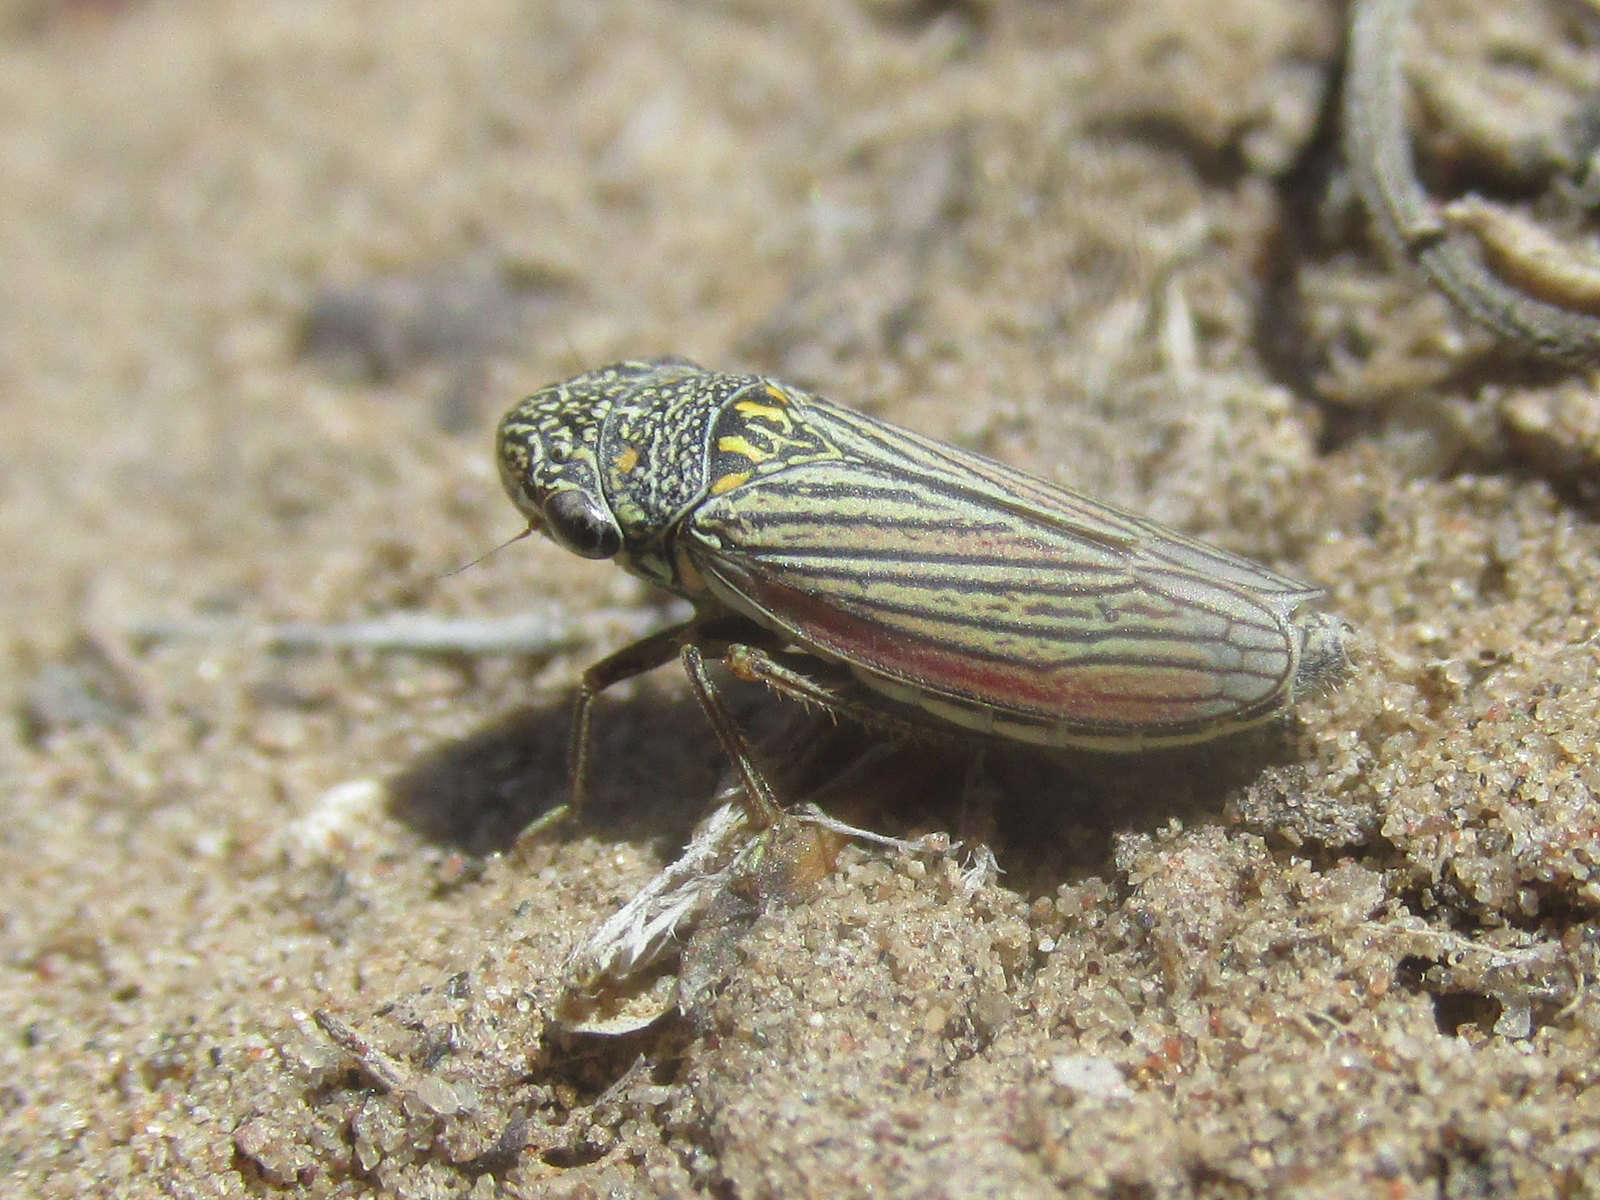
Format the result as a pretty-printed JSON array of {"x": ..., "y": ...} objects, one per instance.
[{"x": 578, "y": 523}]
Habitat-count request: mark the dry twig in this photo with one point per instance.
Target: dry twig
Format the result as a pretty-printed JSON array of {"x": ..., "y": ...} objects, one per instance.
[{"x": 1449, "y": 253}]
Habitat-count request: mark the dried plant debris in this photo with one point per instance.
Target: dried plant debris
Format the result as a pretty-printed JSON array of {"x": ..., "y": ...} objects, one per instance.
[
  {"x": 1528, "y": 256},
  {"x": 674, "y": 942},
  {"x": 542, "y": 630},
  {"x": 619, "y": 979},
  {"x": 1491, "y": 264}
]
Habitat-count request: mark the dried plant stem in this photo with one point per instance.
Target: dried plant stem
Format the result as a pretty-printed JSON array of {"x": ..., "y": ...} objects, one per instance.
[{"x": 1378, "y": 151}]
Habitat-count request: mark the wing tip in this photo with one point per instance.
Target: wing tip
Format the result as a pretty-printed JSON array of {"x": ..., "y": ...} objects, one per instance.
[{"x": 1325, "y": 652}]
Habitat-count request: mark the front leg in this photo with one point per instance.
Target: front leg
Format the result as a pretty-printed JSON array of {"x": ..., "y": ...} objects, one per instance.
[{"x": 646, "y": 654}]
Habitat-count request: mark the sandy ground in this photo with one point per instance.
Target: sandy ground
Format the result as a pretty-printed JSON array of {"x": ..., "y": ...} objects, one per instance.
[{"x": 271, "y": 274}]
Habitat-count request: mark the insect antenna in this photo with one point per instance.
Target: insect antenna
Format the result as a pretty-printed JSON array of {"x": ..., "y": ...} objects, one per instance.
[{"x": 510, "y": 541}]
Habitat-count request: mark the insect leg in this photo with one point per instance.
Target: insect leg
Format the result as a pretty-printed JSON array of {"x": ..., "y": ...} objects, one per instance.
[
  {"x": 818, "y": 685},
  {"x": 763, "y": 805},
  {"x": 646, "y": 654},
  {"x": 838, "y": 695}
]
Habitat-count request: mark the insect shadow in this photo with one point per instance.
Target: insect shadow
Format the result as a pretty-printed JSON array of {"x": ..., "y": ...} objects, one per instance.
[
  {"x": 1057, "y": 814},
  {"x": 1048, "y": 814},
  {"x": 658, "y": 763}
]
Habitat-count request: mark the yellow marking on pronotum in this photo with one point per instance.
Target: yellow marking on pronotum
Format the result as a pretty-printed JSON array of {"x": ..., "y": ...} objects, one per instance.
[
  {"x": 627, "y": 460},
  {"x": 741, "y": 445},
  {"x": 776, "y": 415},
  {"x": 728, "y": 482},
  {"x": 778, "y": 395}
]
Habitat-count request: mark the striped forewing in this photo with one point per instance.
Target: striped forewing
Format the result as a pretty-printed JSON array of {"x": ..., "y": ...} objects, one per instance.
[{"x": 941, "y": 574}]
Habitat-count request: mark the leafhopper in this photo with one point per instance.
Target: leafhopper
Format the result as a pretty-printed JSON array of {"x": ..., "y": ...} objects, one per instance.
[{"x": 894, "y": 579}]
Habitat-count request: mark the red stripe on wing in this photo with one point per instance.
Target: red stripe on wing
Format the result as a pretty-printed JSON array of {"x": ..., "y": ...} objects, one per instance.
[{"x": 1108, "y": 697}]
